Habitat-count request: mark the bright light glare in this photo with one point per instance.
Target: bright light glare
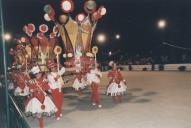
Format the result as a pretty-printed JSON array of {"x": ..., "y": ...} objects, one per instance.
[
  {"x": 7, "y": 36},
  {"x": 110, "y": 53},
  {"x": 162, "y": 24},
  {"x": 101, "y": 38},
  {"x": 117, "y": 36}
]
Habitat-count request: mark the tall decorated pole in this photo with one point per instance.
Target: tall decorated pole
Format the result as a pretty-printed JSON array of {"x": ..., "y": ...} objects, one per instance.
[
  {"x": 95, "y": 51},
  {"x": 5, "y": 65},
  {"x": 58, "y": 51},
  {"x": 26, "y": 70}
]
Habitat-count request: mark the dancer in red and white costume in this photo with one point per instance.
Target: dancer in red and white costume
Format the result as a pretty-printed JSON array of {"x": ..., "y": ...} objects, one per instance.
[
  {"x": 93, "y": 78},
  {"x": 117, "y": 85},
  {"x": 22, "y": 88},
  {"x": 39, "y": 103},
  {"x": 79, "y": 82},
  {"x": 54, "y": 81}
]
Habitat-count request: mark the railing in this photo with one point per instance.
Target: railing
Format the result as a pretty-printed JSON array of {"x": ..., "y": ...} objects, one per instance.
[
  {"x": 157, "y": 67},
  {"x": 17, "y": 117}
]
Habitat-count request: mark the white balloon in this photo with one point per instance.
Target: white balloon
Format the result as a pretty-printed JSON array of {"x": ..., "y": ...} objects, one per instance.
[
  {"x": 23, "y": 39},
  {"x": 70, "y": 55},
  {"x": 103, "y": 11},
  {"x": 46, "y": 17},
  {"x": 81, "y": 17},
  {"x": 64, "y": 55},
  {"x": 89, "y": 54},
  {"x": 66, "y": 5}
]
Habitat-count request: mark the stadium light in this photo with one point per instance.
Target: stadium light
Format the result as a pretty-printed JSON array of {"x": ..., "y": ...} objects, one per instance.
[
  {"x": 7, "y": 36},
  {"x": 101, "y": 38}
]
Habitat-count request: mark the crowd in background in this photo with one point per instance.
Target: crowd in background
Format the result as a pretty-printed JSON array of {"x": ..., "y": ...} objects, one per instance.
[{"x": 146, "y": 60}]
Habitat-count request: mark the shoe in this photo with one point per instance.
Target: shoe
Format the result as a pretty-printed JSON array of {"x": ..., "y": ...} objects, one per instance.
[
  {"x": 58, "y": 118},
  {"x": 99, "y": 106},
  {"x": 93, "y": 104}
]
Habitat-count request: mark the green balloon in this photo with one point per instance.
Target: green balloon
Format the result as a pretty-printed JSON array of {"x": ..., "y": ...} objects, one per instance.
[
  {"x": 47, "y": 9},
  {"x": 63, "y": 18},
  {"x": 90, "y": 5}
]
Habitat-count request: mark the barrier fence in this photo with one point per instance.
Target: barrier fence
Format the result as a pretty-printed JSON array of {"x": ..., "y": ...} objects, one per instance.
[
  {"x": 17, "y": 117},
  {"x": 157, "y": 67}
]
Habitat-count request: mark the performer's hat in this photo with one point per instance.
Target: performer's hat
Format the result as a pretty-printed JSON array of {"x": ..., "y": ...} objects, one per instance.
[
  {"x": 35, "y": 70},
  {"x": 111, "y": 63},
  {"x": 51, "y": 64}
]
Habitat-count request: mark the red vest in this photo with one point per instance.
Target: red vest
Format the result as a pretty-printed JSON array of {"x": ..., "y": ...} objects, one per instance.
[
  {"x": 115, "y": 76},
  {"x": 37, "y": 87}
]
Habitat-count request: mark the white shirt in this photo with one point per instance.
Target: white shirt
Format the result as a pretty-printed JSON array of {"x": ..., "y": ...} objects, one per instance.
[
  {"x": 94, "y": 76},
  {"x": 54, "y": 84}
]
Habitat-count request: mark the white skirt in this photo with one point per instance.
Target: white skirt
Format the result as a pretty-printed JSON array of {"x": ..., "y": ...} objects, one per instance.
[
  {"x": 77, "y": 85},
  {"x": 19, "y": 92},
  {"x": 34, "y": 106},
  {"x": 92, "y": 78},
  {"x": 115, "y": 89}
]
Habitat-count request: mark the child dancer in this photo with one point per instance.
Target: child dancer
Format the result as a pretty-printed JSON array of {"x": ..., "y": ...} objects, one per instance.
[
  {"x": 117, "y": 85},
  {"x": 39, "y": 103},
  {"x": 93, "y": 78}
]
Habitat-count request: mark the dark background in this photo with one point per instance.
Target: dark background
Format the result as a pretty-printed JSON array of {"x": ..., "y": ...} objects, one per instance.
[{"x": 134, "y": 20}]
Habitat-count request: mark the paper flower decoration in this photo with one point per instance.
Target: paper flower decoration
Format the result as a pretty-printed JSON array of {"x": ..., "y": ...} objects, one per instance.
[
  {"x": 31, "y": 27},
  {"x": 95, "y": 50},
  {"x": 43, "y": 28}
]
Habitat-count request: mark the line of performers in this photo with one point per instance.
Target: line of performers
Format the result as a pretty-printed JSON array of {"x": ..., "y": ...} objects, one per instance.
[{"x": 44, "y": 91}]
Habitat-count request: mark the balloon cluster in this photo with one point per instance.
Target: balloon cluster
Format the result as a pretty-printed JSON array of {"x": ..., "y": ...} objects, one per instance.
[
  {"x": 67, "y": 7},
  {"x": 30, "y": 28}
]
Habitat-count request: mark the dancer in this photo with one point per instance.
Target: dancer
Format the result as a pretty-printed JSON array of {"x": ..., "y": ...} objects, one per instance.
[
  {"x": 117, "y": 85},
  {"x": 54, "y": 81},
  {"x": 93, "y": 78},
  {"x": 79, "y": 82},
  {"x": 22, "y": 88},
  {"x": 39, "y": 103}
]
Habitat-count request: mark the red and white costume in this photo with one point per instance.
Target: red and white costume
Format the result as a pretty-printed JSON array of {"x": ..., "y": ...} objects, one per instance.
[
  {"x": 22, "y": 88},
  {"x": 56, "y": 89},
  {"x": 79, "y": 82},
  {"x": 39, "y": 103},
  {"x": 93, "y": 78},
  {"x": 117, "y": 85}
]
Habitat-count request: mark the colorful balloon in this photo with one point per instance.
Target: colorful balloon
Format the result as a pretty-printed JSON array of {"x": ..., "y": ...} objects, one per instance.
[
  {"x": 90, "y": 6},
  {"x": 46, "y": 17},
  {"x": 67, "y": 6},
  {"x": 80, "y": 17},
  {"x": 63, "y": 19}
]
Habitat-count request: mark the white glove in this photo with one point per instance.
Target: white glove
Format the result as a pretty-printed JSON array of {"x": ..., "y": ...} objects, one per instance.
[{"x": 62, "y": 71}]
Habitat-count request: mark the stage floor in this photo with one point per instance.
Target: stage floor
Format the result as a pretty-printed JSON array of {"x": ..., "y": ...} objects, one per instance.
[{"x": 154, "y": 100}]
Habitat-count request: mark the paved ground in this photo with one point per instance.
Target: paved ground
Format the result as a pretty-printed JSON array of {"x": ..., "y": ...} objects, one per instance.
[{"x": 154, "y": 100}]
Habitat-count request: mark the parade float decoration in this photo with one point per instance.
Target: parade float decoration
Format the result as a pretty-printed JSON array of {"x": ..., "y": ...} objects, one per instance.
[
  {"x": 69, "y": 39},
  {"x": 76, "y": 33},
  {"x": 35, "y": 49},
  {"x": 41, "y": 45}
]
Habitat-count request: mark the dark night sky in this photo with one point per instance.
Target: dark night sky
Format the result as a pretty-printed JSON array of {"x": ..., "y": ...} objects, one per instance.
[{"x": 135, "y": 20}]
